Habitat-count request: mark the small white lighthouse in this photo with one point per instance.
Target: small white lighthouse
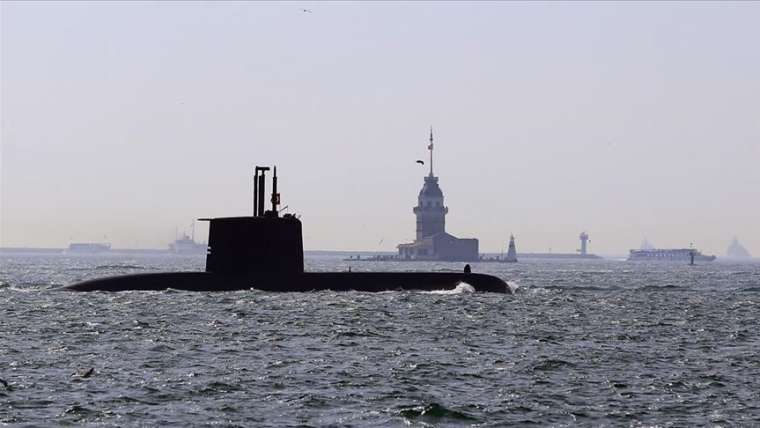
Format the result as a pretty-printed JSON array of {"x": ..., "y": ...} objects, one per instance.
[
  {"x": 584, "y": 245},
  {"x": 511, "y": 251}
]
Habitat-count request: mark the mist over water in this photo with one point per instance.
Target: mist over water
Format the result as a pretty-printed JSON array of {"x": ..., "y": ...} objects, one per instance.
[{"x": 591, "y": 342}]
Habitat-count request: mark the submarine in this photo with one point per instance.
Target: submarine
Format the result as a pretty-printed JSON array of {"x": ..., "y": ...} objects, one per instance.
[{"x": 265, "y": 252}]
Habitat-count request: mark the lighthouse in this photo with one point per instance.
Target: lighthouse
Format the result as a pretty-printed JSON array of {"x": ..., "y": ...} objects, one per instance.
[
  {"x": 511, "y": 251},
  {"x": 584, "y": 241}
]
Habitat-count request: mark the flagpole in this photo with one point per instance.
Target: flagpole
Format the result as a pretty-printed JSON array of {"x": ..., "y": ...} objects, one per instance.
[{"x": 430, "y": 147}]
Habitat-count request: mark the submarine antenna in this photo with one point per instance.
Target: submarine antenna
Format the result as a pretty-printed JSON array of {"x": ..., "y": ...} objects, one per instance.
[
  {"x": 275, "y": 195},
  {"x": 259, "y": 204},
  {"x": 262, "y": 186},
  {"x": 255, "y": 191}
]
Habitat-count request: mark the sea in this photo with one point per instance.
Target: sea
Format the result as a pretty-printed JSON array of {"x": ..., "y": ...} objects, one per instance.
[{"x": 588, "y": 342}]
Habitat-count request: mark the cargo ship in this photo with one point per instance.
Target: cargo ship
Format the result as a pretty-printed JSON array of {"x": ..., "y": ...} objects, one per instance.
[
  {"x": 87, "y": 248},
  {"x": 668, "y": 255}
]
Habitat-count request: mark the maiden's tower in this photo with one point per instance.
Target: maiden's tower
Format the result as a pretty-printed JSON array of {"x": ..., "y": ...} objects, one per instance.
[{"x": 432, "y": 242}]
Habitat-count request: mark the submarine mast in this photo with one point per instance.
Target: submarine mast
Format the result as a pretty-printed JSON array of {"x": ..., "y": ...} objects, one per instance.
[
  {"x": 258, "y": 189},
  {"x": 275, "y": 195}
]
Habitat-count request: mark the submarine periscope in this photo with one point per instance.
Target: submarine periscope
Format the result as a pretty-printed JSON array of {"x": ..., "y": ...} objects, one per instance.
[{"x": 265, "y": 252}]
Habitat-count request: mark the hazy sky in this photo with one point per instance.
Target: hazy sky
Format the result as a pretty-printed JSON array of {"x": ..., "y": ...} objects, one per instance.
[{"x": 125, "y": 121}]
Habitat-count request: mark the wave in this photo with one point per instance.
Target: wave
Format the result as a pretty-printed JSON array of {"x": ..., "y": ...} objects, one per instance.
[
  {"x": 105, "y": 267},
  {"x": 434, "y": 411},
  {"x": 461, "y": 288},
  {"x": 668, "y": 287},
  {"x": 109, "y": 267},
  {"x": 28, "y": 287},
  {"x": 578, "y": 288},
  {"x": 551, "y": 364}
]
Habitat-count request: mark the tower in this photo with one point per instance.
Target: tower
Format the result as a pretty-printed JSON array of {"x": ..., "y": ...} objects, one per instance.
[
  {"x": 432, "y": 242},
  {"x": 430, "y": 211},
  {"x": 584, "y": 240}
]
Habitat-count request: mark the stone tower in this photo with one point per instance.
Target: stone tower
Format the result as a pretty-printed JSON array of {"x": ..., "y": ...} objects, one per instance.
[{"x": 430, "y": 211}]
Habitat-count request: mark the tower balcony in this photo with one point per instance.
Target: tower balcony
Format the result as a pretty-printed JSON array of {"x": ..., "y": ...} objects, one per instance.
[{"x": 439, "y": 210}]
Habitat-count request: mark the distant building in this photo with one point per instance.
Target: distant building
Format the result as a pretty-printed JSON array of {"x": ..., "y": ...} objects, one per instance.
[{"x": 432, "y": 242}]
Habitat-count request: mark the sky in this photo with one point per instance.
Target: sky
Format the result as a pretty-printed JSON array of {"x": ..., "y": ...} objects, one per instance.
[{"x": 123, "y": 122}]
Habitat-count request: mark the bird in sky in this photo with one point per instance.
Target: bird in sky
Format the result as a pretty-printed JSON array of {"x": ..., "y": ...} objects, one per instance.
[
  {"x": 306, "y": 10},
  {"x": 421, "y": 162}
]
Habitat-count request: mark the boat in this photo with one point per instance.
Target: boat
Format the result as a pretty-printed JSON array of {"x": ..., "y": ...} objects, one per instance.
[
  {"x": 669, "y": 255},
  {"x": 265, "y": 252},
  {"x": 88, "y": 248},
  {"x": 187, "y": 245}
]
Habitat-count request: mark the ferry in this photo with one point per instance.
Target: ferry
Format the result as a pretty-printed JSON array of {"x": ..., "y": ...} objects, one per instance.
[
  {"x": 88, "y": 248},
  {"x": 668, "y": 255}
]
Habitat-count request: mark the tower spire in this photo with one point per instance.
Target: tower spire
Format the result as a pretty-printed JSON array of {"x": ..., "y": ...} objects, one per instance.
[{"x": 430, "y": 147}]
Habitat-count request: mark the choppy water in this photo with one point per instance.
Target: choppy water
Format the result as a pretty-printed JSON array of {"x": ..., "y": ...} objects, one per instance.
[{"x": 591, "y": 343}]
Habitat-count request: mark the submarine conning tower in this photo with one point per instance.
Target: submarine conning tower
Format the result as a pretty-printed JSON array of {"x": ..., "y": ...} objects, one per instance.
[{"x": 263, "y": 243}]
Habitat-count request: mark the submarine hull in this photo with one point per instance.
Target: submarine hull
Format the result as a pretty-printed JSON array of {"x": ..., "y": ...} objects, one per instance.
[{"x": 311, "y": 281}]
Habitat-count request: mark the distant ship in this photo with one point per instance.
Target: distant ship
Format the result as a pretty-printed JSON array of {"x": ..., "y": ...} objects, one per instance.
[
  {"x": 737, "y": 251},
  {"x": 669, "y": 255},
  {"x": 187, "y": 245},
  {"x": 88, "y": 248}
]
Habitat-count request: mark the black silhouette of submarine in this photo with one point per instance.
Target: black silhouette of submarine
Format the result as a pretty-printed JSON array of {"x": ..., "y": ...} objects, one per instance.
[{"x": 265, "y": 252}]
